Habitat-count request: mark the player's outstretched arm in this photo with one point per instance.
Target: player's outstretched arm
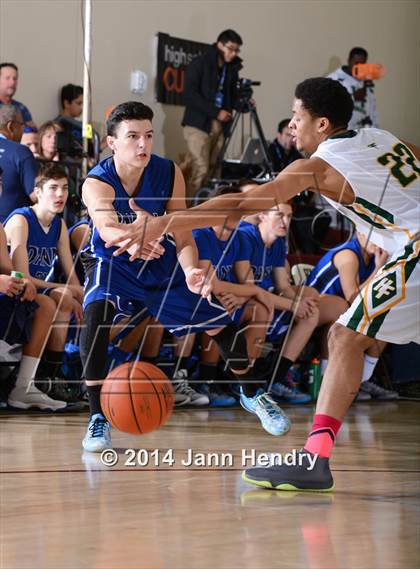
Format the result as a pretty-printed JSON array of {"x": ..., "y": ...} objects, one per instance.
[{"x": 299, "y": 176}]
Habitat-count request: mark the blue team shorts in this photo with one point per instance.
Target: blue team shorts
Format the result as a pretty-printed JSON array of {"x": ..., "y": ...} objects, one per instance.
[{"x": 168, "y": 300}]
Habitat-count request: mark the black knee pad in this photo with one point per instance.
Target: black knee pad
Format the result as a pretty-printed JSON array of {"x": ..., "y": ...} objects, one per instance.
[
  {"x": 94, "y": 338},
  {"x": 232, "y": 345}
]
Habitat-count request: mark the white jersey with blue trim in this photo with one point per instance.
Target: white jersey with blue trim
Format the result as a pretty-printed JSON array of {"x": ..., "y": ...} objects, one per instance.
[{"x": 384, "y": 175}]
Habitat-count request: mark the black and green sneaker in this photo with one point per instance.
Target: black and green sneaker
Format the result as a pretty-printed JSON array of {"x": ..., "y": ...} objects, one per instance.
[{"x": 310, "y": 473}]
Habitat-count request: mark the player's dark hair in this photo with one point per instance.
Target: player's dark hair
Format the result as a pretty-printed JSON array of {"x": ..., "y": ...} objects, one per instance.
[
  {"x": 132, "y": 110},
  {"x": 229, "y": 35},
  {"x": 358, "y": 51},
  {"x": 282, "y": 125},
  {"x": 8, "y": 65},
  {"x": 70, "y": 92},
  {"x": 323, "y": 97},
  {"x": 50, "y": 171}
]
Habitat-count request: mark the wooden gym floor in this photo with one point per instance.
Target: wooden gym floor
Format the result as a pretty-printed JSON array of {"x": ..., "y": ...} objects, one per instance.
[{"x": 60, "y": 510}]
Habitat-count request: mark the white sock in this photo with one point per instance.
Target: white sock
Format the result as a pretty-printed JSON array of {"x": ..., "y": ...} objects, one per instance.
[
  {"x": 368, "y": 367},
  {"x": 324, "y": 364},
  {"x": 27, "y": 371}
]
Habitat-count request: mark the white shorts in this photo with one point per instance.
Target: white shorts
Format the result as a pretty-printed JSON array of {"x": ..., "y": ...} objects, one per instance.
[{"x": 388, "y": 308}]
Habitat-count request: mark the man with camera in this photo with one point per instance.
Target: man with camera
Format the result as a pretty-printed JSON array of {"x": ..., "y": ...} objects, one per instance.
[
  {"x": 362, "y": 92},
  {"x": 210, "y": 97}
]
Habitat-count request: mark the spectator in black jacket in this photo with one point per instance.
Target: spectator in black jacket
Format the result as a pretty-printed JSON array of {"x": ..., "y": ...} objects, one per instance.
[{"x": 210, "y": 97}]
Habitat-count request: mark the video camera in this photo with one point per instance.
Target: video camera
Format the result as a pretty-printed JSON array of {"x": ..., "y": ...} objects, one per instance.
[
  {"x": 68, "y": 146},
  {"x": 368, "y": 71},
  {"x": 245, "y": 92}
]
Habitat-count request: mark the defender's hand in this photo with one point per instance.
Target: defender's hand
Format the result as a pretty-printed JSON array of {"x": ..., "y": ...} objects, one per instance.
[
  {"x": 134, "y": 237},
  {"x": 152, "y": 250}
]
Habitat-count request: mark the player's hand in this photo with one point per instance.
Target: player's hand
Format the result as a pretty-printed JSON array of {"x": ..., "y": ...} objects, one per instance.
[
  {"x": 11, "y": 286},
  {"x": 29, "y": 292},
  {"x": 306, "y": 308},
  {"x": 77, "y": 309},
  {"x": 381, "y": 257},
  {"x": 132, "y": 237},
  {"x": 198, "y": 283},
  {"x": 152, "y": 250},
  {"x": 77, "y": 292},
  {"x": 230, "y": 301},
  {"x": 310, "y": 294}
]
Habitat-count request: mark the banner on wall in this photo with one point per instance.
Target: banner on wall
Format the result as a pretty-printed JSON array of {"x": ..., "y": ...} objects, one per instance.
[{"x": 174, "y": 55}]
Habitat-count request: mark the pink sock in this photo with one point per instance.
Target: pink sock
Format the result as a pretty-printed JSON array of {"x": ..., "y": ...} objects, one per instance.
[{"x": 322, "y": 435}]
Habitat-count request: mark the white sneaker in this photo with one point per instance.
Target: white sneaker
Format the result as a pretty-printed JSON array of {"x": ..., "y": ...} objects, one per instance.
[
  {"x": 184, "y": 391},
  {"x": 22, "y": 399}
]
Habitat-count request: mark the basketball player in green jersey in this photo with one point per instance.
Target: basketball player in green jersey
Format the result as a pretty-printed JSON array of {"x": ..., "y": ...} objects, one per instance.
[{"x": 371, "y": 177}]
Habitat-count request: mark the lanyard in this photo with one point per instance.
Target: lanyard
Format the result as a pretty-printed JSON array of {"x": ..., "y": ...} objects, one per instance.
[{"x": 219, "y": 93}]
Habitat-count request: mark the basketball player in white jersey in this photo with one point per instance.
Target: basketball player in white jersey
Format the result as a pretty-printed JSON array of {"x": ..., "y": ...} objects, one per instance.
[{"x": 371, "y": 177}]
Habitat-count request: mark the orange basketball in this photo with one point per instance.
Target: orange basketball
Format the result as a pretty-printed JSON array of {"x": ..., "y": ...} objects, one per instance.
[{"x": 137, "y": 398}]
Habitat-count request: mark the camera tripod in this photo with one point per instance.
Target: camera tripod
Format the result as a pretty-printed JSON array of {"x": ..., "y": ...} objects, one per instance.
[{"x": 238, "y": 118}]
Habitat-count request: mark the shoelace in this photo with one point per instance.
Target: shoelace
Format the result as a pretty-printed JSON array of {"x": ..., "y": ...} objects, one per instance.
[
  {"x": 181, "y": 385},
  {"x": 43, "y": 396},
  {"x": 97, "y": 428},
  {"x": 269, "y": 406}
]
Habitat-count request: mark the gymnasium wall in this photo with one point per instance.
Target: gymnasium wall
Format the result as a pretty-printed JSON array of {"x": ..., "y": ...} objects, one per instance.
[{"x": 284, "y": 42}]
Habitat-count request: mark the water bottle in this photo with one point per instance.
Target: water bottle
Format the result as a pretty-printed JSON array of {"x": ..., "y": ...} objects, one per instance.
[
  {"x": 17, "y": 275},
  {"x": 314, "y": 382}
]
